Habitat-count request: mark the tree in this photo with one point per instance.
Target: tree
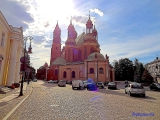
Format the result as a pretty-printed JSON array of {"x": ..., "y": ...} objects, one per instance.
[
  {"x": 146, "y": 77},
  {"x": 124, "y": 69},
  {"x": 138, "y": 70},
  {"x": 116, "y": 69}
]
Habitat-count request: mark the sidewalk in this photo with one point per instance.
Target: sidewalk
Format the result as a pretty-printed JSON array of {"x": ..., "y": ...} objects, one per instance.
[{"x": 11, "y": 99}]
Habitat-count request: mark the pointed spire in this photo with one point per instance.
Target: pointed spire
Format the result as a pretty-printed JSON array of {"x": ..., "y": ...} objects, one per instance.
[
  {"x": 71, "y": 21},
  {"x": 89, "y": 14},
  {"x": 57, "y": 22},
  {"x": 94, "y": 24}
]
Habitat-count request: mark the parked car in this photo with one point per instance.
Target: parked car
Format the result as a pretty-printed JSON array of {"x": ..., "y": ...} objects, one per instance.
[
  {"x": 69, "y": 82},
  {"x": 100, "y": 85},
  {"x": 106, "y": 83},
  {"x": 112, "y": 85},
  {"x": 77, "y": 84},
  {"x": 155, "y": 86},
  {"x": 126, "y": 81},
  {"x": 34, "y": 80},
  {"x": 62, "y": 83},
  {"x": 85, "y": 82},
  {"x": 55, "y": 81},
  {"x": 135, "y": 89},
  {"x": 50, "y": 81},
  {"x": 91, "y": 86}
]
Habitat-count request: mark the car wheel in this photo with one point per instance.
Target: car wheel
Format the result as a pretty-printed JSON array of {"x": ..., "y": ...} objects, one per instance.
[
  {"x": 125, "y": 92},
  {"x": 144, "y": 95},
  {"x": 129, "y": 93},
  {"x": 150, "y": 88},
  {"x": 73, "y": 88},
  {"x": 108, "y": 88}
]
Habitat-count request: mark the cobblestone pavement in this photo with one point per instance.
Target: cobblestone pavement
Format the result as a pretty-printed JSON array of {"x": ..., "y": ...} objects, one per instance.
[
  {"x": 8, "y": 105},
  {"x": 50, "y": 102}
]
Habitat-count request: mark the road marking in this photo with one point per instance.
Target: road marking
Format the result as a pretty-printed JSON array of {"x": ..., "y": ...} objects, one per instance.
[
  {"x": 54, "y": 105},
  {"x": 7, "y": 116}
]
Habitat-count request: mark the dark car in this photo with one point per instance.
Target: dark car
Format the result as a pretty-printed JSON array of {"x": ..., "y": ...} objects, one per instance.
[
  {"x": 34, "y": 80},
  {"x": 91, "y": 86},
  {"x": 126, "y": 81},
  {"x": 155, "y": 86}
]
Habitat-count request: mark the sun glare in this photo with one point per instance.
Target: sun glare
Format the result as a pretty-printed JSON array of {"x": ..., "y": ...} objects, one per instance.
[{"x": 56, "y": 9}]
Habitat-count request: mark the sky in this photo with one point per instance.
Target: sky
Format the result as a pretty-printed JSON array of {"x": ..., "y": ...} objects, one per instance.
[{"x": 126, "y": 28}]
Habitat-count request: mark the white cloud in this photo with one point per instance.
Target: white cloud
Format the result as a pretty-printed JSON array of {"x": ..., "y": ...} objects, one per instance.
[
  {"x": 97, "y": 11},
  {"x": 131, "y": 48}
]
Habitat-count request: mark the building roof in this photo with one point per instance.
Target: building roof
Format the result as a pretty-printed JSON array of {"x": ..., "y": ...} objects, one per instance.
[
  {"x": 59, "y": 61},
  {"x": 92, "y": 56},
  {"x": 80, "y": 39},
  {"x": 75, "y": 63}
]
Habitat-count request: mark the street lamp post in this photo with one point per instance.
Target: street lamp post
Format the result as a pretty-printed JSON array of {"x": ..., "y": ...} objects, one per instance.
[{"x": 24, "y": 61}]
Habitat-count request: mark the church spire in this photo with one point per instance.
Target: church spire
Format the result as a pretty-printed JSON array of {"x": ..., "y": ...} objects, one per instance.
[{"x": 71, "y": 21}]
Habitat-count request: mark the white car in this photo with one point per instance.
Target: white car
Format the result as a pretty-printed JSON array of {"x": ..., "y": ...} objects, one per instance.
[
  {"x": 100, "y": 85},
  {"x": 77, "y": 84},
  {"x": 50, "y": 81},
  {"x": 135, "y": 89}
]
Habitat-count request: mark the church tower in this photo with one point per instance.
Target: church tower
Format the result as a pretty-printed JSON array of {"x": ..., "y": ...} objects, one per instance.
[
  {"x": 70, "y": 51},
  {"x": 56, "y": 44}
]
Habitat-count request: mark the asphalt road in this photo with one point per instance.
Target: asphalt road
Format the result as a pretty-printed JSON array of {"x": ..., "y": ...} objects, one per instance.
[{"x": 50, "y": 102}]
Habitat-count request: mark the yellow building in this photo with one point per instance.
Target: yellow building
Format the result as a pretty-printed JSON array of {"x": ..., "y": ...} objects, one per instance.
[{"x": 11, "y": 46}]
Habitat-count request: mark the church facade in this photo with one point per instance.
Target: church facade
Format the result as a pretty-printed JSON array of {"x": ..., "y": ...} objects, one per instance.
[{"x": 80, "y": 58}]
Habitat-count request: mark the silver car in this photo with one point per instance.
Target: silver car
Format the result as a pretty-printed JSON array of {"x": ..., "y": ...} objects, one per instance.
[
  {"x": 62, "y": 83},
  {"x": 134, "y": 89}
]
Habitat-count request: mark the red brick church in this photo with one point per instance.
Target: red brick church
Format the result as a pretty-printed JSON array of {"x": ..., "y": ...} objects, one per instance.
[{"x": 80, "y": 58}]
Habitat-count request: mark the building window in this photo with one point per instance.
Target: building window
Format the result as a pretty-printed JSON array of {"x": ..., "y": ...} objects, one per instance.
[
  {"x": 73, "y": 74},
  {"x": 69, "y": 54},
  {"x": 85, "y": 53},
  {"x": 56, "y": 72},
  {"x": 64, "y": 74},
  {"x": 2, "y": 39},
  {"x": 92, "y": 50},
  {"x": 79, "y": 54},
  {"x": 81, "y": 74},
  {"x": 91, "y": 70},
  {"x": 101, "y": 71}
]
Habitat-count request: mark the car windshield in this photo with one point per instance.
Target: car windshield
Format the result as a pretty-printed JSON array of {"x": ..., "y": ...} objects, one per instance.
[
  {"x": 112, "y": 83},
  {"x": 137, "y": 86},
  {"x": 84, "y": 81},
  {"x": 99, "y": 83},
  {"x": 157, "y": 84}
]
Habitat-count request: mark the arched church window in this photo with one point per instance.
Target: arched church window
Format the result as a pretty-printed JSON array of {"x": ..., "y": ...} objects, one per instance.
[
  {"x": 64, "y": 74},
  {"x": 56, "y": 72},
  {"x": 101, "y": 71},
  {"x": 79, "y": 54},
  {"x": 92, "y": 49},
  {"x": 91, "y": 70},
  {"x": 73, "y": 74},
  {"x": 69, "y": 54}
]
